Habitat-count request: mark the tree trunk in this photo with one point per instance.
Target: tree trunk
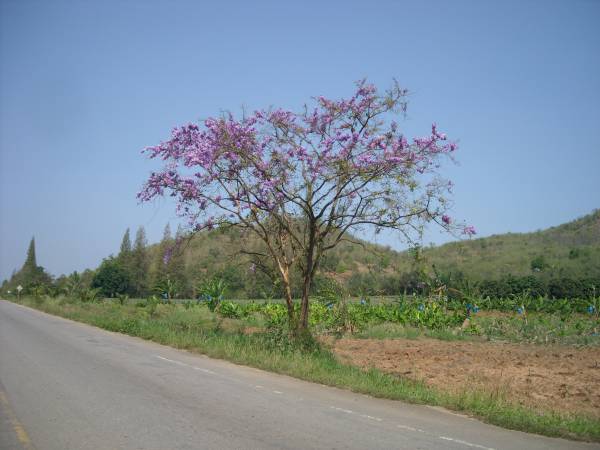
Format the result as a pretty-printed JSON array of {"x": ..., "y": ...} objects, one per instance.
[
  {"x": 303, "y": 322},
  {"x": 309, "y": 270},
  {"x": 287, "y": 292}
]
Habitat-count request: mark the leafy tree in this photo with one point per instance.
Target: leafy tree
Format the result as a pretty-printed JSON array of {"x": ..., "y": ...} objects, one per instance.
[
  {"x": 60, "y": 284},
  {"x": 69, "y": 285},
  {"x": 176, "y": 261},
  {"x": 169, "y": 267},
  {"x": 111, "y": 278},
  {"x": 538, "y": 263},
  {"x": 166, "y": 244},
  {"x": 86, "y": 278},
  {"x": 159, "y": 273},
  {"x": 573, "y": 288},
  {"x": 301, "y": 182}
]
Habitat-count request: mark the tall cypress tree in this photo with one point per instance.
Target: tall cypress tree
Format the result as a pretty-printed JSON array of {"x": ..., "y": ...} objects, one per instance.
[
  {"x": 30, "y": 266},
  {"x": 31, "y": 274},
  {"x": 139, "y": 263},
  {"x": 124, "y": 260},
  {"x": 166, "y": 236},
  {"x": 125, "y": 250},
  {"x": 159, "y": 272}
]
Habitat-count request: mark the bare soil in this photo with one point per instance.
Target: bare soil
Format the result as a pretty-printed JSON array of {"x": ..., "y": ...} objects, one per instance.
[{"x": 546, "y": 378}]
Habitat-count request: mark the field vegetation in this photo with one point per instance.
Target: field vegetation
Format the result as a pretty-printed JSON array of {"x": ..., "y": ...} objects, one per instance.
[{"x": 562, "y": 262}]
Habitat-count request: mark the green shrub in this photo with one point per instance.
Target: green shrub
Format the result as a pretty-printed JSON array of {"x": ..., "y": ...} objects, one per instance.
[{"x": 212, "y": 291}]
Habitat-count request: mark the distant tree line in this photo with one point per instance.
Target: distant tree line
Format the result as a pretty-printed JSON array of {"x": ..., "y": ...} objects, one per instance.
[
  {"x": 540, "y": 287},
  {"x": 136, "y": 273},
  {"x": 168, "y": 270}
]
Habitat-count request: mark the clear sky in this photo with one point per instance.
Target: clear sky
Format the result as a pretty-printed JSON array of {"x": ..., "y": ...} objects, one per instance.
[{"x": 85, "y": 85}]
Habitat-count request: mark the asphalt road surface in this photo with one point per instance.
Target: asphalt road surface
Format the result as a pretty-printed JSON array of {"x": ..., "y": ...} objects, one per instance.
[{"x": 66, "y": 385}]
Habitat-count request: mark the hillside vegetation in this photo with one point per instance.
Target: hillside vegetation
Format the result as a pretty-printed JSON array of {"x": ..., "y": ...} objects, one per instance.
[
  {"x": 562, "y": 262},
  {"x": 570, "y": 250}
]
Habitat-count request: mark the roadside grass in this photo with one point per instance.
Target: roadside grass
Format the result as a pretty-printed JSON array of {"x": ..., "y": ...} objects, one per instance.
[{"x": 195, "y": 328}]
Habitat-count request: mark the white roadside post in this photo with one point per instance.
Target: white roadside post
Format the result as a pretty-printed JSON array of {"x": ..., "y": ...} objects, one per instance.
[{"x": 19, "y": 289}]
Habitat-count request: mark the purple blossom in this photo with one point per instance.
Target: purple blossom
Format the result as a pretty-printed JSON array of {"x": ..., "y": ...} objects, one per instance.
[
  {"x": 267, "y": 162},
  {"x": 469, "y": 230},
  {"x": 167, "y": 255}
]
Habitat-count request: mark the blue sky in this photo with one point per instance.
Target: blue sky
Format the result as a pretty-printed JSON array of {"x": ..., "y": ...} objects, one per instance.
[{"x": 84, "y": 86}]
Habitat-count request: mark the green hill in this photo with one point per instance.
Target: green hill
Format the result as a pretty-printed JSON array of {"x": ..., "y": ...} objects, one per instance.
[{"x": 570, "y": 250}]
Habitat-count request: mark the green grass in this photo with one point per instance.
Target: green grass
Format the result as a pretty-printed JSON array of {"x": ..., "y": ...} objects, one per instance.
[
  {"x": 388, "y": 330},
  {"x": 537, "y": 328},
  {"x": 196, "y": 329}
]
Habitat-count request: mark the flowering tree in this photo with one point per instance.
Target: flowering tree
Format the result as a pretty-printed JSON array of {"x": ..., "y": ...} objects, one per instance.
[{"x": 302, "y": 182}]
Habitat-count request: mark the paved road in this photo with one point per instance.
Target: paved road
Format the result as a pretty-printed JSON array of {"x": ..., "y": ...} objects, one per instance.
[{"x": 73, "y": 386}]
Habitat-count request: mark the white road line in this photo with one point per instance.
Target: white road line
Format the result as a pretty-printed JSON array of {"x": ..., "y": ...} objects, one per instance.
[
  {"x": 347, "y": 411},
  {"x": 179, "y": 363},
  {"x": 201, "y": 369},
  {"x": 445, "y": 438},
  {"x": 204, "y": 370},
  {"x": 366, "y": 416},
  {"x": 172, "y": 361},
  {"x": 468, "y": 444},
  {"x": 406, "y": 427}
]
